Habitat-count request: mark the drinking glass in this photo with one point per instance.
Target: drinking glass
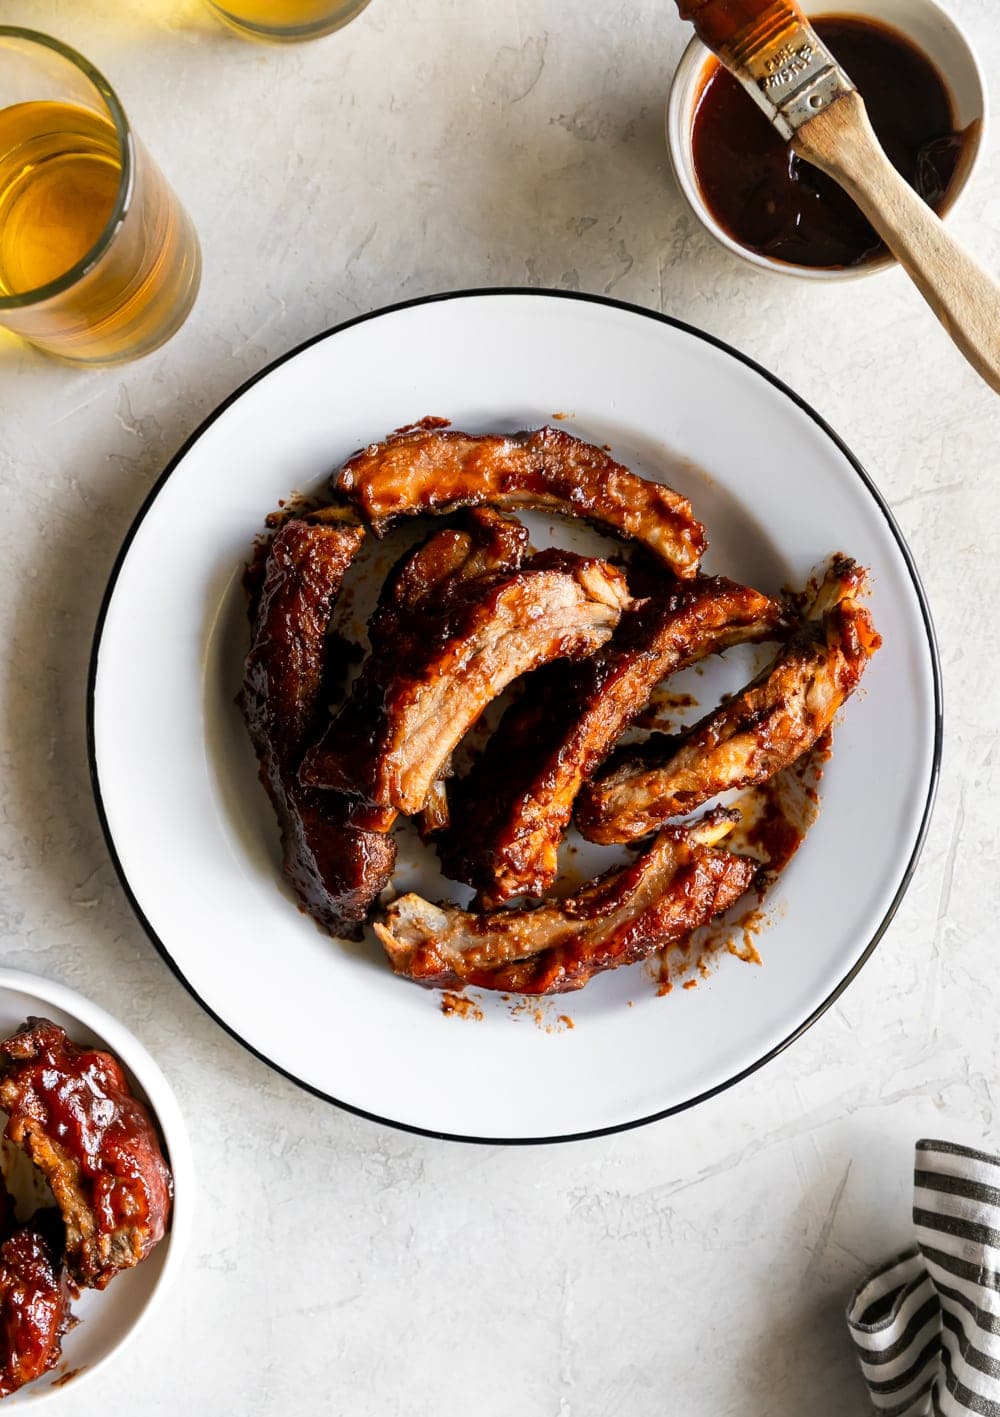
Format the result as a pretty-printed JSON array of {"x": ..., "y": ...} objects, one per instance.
[
  {"x": 287, "y": 19},
  {"x": 99, "y": 261}
]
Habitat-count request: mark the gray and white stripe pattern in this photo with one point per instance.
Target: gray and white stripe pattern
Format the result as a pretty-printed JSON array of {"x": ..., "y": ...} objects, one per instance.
[{"x": 927, "y": 1325}]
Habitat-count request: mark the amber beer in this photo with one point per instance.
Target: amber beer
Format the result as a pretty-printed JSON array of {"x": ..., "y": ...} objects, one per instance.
[
  {"x": 98, "y": 260},
  {"x": 287, "y": 19}
]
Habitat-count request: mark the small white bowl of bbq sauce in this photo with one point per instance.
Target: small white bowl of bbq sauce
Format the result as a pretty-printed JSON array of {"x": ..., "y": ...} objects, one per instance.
[{"x": 926, "y": 97}]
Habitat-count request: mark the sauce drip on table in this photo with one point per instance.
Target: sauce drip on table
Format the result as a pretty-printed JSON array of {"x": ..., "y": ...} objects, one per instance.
[{"x": 782, "y": 207}]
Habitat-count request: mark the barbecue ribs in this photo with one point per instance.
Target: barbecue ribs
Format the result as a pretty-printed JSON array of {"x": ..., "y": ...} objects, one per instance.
[
  {"x": 72, "y": 1111},
  {"x": 35, "y": 1296},
  {"x": 680, "y": 883},
  {"x": 415, "y": 700},
  {"x": 767, "y": 727},
  {"x": 425, "y": 577},
  {"x": 509, "y": 813},
  {"x": 425, "y": 470},
  {"x": 335, "y": 867}
]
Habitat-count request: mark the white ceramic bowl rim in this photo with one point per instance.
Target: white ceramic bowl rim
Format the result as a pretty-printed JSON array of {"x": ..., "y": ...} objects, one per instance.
[
  {"x": 897, "y": 535},
  {"x": 972, "y": 106}
]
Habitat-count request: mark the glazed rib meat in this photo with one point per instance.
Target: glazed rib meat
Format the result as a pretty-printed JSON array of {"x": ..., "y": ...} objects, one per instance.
[
  {"x": 305, "y": 565},
  {"x": 34, "y": 1306},
  {"x": 73, "y": 1113},
  {"x": 414, "y": 597},
  {"x": 411, "y": 707},
  {"x": 335, "y": 867},
  {"x": 423, "y": 470},
  {"x": 509, "y": 813},
  {"x": 423, "y": 579},
  {"x": 680, "y": 883},
  {"x": 767, "y": 727}
]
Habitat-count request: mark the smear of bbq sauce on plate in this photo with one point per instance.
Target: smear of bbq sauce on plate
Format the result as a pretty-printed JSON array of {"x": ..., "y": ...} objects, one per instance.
[
  {"x": 782, "y": 207},
  {"x": 67, "y": 1377}
]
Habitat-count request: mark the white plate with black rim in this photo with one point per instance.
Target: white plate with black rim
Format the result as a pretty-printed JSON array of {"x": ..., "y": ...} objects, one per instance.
[{"x": 193, "y": 836}]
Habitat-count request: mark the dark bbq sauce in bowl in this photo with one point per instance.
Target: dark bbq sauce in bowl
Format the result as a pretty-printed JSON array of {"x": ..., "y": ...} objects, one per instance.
[{"x": 782, "y": 207}]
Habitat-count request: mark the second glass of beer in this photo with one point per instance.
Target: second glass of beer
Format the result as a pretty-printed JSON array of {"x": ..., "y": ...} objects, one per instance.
[{"x": 287, "y": 19}]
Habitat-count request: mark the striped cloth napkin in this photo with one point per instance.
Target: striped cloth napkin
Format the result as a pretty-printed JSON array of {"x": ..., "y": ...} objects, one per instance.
[{"x": 927, "y": 1325}]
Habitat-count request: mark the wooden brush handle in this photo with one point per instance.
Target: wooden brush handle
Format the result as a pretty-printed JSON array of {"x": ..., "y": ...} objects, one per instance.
[{"x": 964, "y": 297}]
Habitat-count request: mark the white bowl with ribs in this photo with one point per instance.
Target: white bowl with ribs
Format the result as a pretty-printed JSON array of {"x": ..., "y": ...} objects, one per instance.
[
  {"x": 95, "y": 1193},
  {"x": 520, "y": 732}
]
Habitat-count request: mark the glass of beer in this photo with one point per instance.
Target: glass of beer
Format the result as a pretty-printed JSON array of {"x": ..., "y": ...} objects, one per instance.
[
  {"x": 99, "y": 261},
  {"x": 287, "y": 19}
]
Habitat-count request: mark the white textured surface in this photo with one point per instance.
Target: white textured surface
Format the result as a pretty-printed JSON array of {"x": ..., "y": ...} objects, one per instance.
[{"x": 696, "y": 1267}]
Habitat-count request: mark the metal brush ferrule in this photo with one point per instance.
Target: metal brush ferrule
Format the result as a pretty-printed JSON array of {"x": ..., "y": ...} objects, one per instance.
[{"x": 787, "y": 70}]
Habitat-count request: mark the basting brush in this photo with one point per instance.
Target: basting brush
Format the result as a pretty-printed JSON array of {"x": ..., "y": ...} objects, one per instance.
[{"x": 774, "y": 52}]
